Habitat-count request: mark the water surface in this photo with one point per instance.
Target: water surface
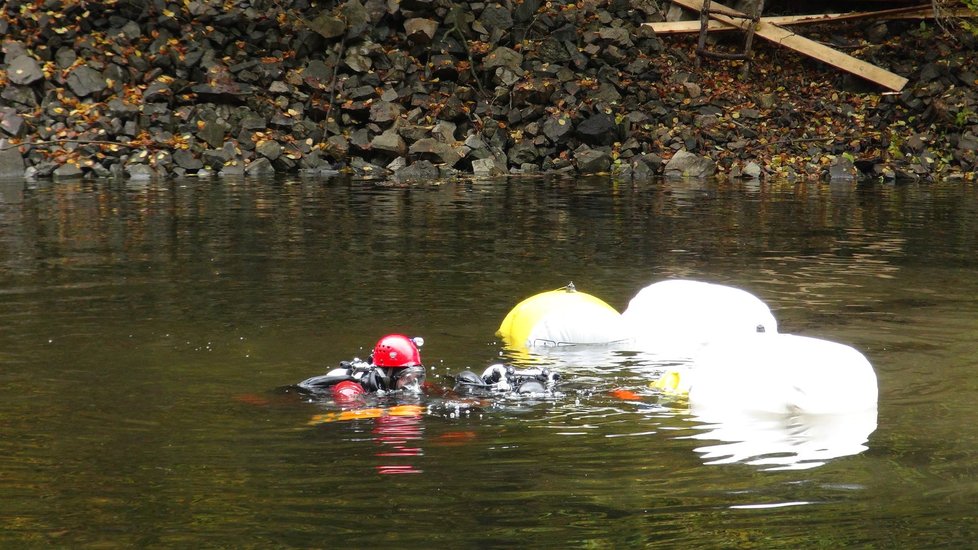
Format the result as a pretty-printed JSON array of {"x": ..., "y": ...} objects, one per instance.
[{"x": 147, "y": 331}]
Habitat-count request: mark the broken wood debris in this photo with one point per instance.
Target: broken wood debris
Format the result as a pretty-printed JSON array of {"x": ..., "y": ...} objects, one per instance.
[
  {"x": 783, "y": 37},
  {"x": 914, "y": 12}
]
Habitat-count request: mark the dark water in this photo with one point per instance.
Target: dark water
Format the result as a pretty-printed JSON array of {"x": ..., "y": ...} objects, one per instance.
[{"x": 145, "y": 331}]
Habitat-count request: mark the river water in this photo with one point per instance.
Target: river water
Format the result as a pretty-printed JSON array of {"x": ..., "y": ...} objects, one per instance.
[{"x": 148, "y": 332}]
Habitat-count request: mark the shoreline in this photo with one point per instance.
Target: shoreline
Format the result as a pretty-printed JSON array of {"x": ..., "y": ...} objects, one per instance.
[{"x": 424, "y": 89}]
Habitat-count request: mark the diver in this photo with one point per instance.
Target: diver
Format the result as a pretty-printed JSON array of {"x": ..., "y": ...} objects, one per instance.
[
  {"x": 395, "y": 364},
  {"x": 505, "y": 379}
]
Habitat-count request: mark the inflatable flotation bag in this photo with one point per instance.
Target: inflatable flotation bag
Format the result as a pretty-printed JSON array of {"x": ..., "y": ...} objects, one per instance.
[
  {"x": 680, "y": 315},
  {"x": 781, "y": 374},
  {"x": 559, "y": 318}
]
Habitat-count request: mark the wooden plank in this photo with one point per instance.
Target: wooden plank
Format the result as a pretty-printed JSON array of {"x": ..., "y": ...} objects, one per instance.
[
  {"x": 800, "y": 44},
  {"x": 677, "y": 27}
]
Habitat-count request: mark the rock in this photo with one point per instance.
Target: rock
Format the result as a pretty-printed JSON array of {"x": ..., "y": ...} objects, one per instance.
[
  {"x": 506, "y": 58},
  {"x": 157, "y": 91},
  {"x": 328, "y": 26},
  {"x": 645, "y": 167},
  {"x": 317, "y": 74},
  {"x": 420, "y": 30},
  {"x": 66, "y": 171},
  {"x": 598, "y": 129},
  {"x": 752, "y": 170},
  {"x": 688, "y": 165},
  {"x": 85, "y": 81},
  {"x": 523, "y": 152},
  {"x": 19, "y": 95},
  {"x": 12, "y": 123},
  {"x": 65, "y": 57},
  {"x": 234, "y": 167},
  {"x": 421, "y": 170},
  {"x": 186, "y": 160},
  {"x": 141, "y": 172},
  {"x": 24, "y": 70},
  {"x": 391, "y": 142},
  {"x": 122, "y": 108},
  {"x": 592, "y": 161},
  {"x": 841, "y": 169},
  {"x": 556, "y": 127},
  {"x": 488, "y": 167},
  {"x": 495, "y": 16},
  {"x": 260, "y": 167},
  {"x": 436, "y": 150},
  {"x": 385, "y": 111},
  {"x": 11, "y": 161},
  {"x": 213, "y": 133},
  {"x": 269, "y": 149}
]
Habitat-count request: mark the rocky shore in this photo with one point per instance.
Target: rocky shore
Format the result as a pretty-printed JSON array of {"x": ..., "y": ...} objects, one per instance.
[{"x": 419, "y": 89}]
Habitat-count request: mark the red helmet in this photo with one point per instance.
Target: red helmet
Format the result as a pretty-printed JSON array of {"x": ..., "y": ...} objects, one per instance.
[{"x": 396, "y": 350}]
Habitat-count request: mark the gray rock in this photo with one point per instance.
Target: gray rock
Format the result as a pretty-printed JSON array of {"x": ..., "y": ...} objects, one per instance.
[
  {"x": 269, "y": 149},
  {"x": 157, "y": 91},
  {"x": 67, "y": 171},
  {"x": 11, "y": 161},
  {"x": 598, "y": 129},
  {"x": 24, "y": 70},
  {"x": 420, "y": 30},
  {"x": 496, "y": 16},
  {"x": 619, "y": 36},
  {"x": 233, "y": 168},
  {"x": 397, "y": 164},
  {"x": 213, "y": 133},
  {"x": 591, "y": 161},
  {"x": 12, "y": 123},
  {"x": 12, "y": 49},
  {"x": 842, "y": 169},
  {"x": 328, "y": 26},
  {"x": 391, "y": 142},
  {"x": 444, "y": 132},
  {"x": 358, "y": 61},
  {"x": 430, "y": 147},
  {"x": 506, "y": 58},
  {"x": 122, "y": 108},
  {"x": 556, "y": 127},
  {"x": 752, "y": 170},
  {"x": 85, "y": 81},
  {"x": 253, "y": 121},
  {"x": 317, "y": 74},
  {"x": 65, "y": 57},
  {"x": 645, "y": 166},
  {"x": 687, "y": 165},
  {"x": 260, "y": 166},
  {"x": 421, "y": 170},
  {"x": 384, "y": 111},
  {"x": 488, "y": 167},
  {"x": 186, "y": 160},
  {"x": 141, "y": 172},
  {"x": 20, "y": 95}
]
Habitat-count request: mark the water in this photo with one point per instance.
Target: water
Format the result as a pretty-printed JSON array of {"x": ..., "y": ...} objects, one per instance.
[{"x": 148, "y": 330}]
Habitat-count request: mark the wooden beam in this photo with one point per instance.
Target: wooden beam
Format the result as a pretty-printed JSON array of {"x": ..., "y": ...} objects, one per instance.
[
  {"x": 798, "y": 43},
  {"x": 917, "y": 12}
]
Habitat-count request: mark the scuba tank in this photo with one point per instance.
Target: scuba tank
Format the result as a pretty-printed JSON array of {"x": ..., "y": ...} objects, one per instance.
[{"x": 499, "y": 378}]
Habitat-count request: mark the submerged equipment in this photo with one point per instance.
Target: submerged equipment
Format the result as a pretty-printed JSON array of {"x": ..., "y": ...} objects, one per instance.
[{"x": 502, "y": 379}]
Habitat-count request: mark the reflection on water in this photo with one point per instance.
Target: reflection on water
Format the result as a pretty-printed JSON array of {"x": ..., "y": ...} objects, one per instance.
[
  {"x": 145, "y": 327},
  {"x": 777, "y": 442}
]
